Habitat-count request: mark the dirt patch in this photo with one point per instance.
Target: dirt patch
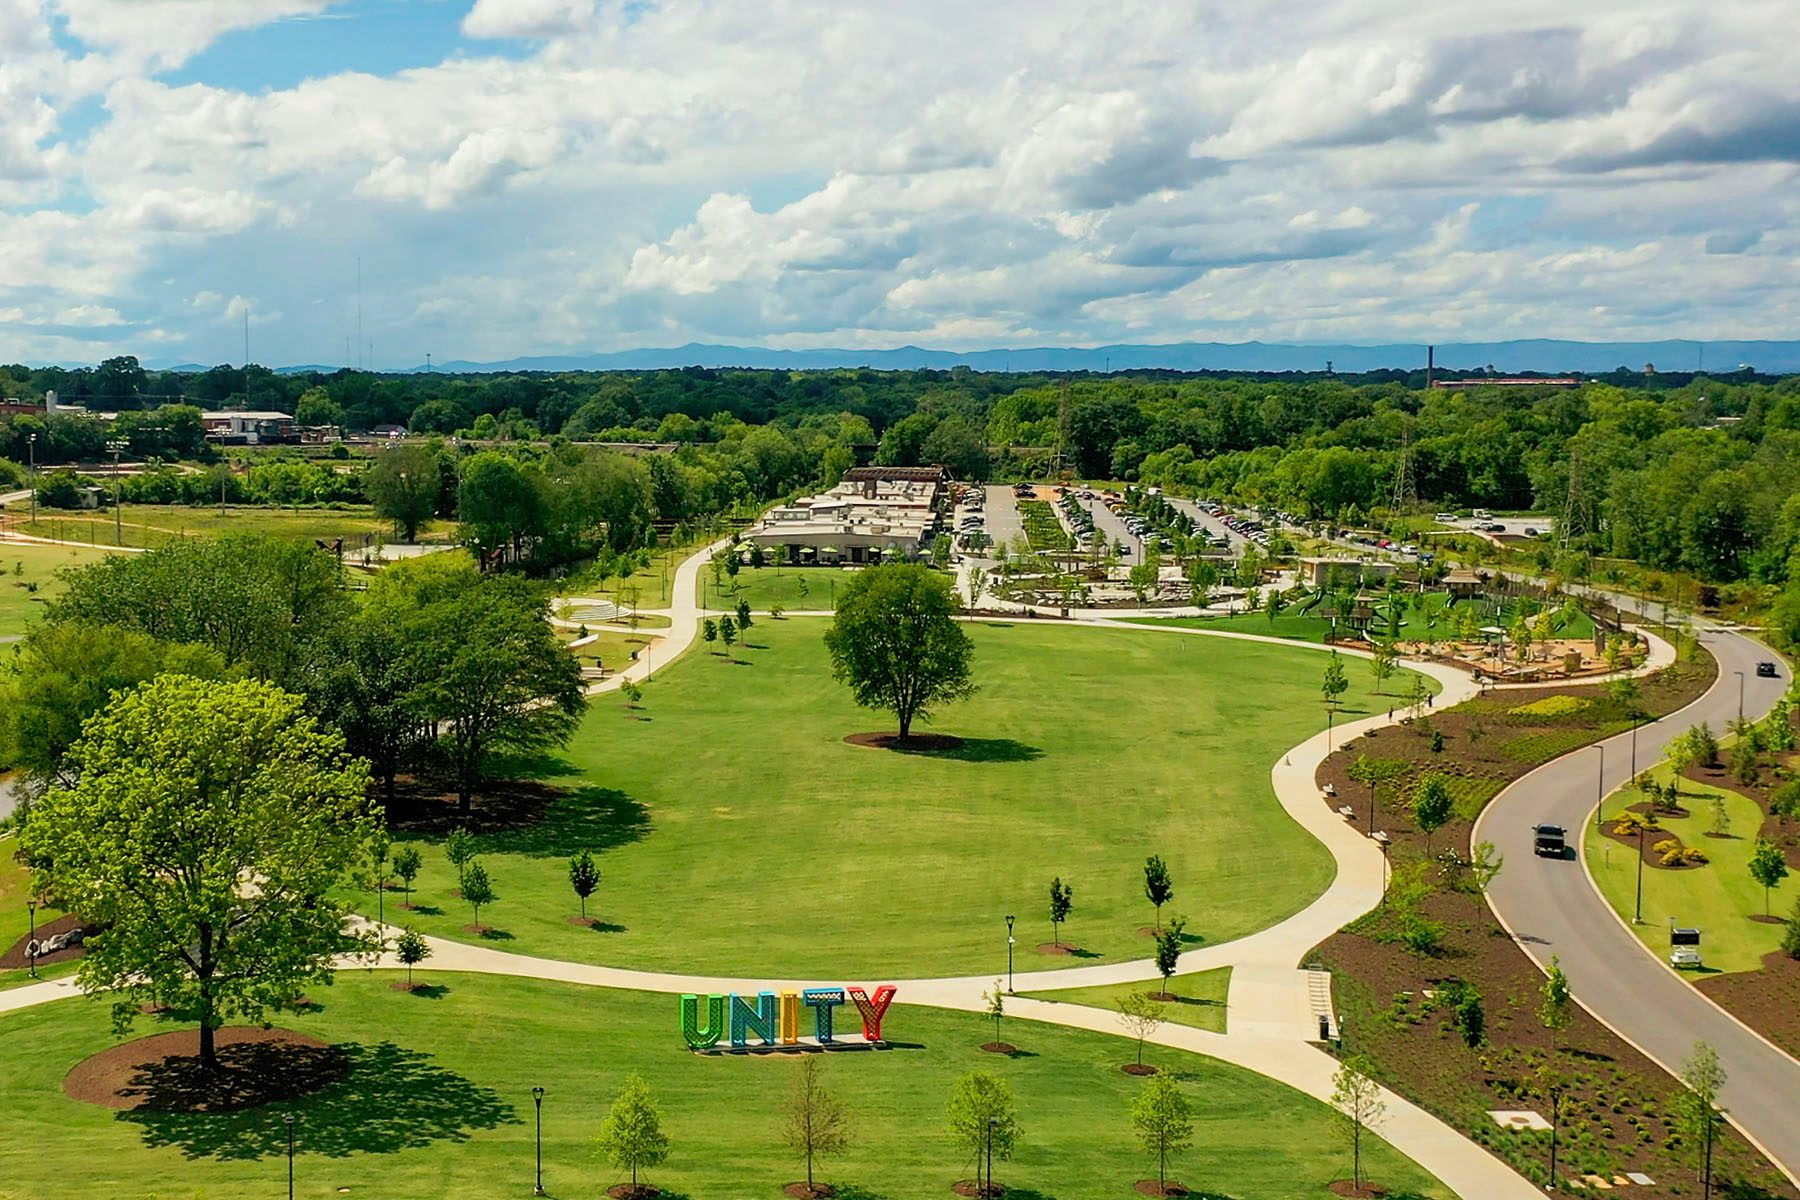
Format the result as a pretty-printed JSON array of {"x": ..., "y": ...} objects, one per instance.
[
  {"x": 818, "y": 1191},
  {"x": 1062, "y": 949},
  {"x": 918, "y": 743},
  {"x": 256, "y": 1067},
  {"x": 1367, "y": 1191},
  {"x": 1767, "y": 919},
  {"x": 968, "y": 1187},
  {"x": 626, "y": 1191},
  {"x": 16, "y": 959},
  {"x": 584, "y": 922},
  {"x": 1138, "y": 1069},
  {"x": 1767, "y": 1000},
  {"x": 999, "y": 1047},
  {"x": 1149, "y": 1187}
]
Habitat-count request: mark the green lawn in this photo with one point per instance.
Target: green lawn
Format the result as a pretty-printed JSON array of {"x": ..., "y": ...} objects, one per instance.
[
  {"x": 778, "y": 585},
  {"x": 648, "y": 588},
  {"x": 15, "y": 921},
  {"x": 1287, "y": 625},
  {"x": 1719, "y": 899},
  {"x": 149, "y": 525},
  {"x": 439, "y": 1105},
  {"x": 1199, "y": 999},
  {"x": 739, "y": 834},
  {"x": 28, "y": 579}
]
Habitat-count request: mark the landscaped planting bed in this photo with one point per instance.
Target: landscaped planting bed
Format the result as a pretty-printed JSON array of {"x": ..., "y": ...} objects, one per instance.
[
  {"x": 1435, "y": 934},
  {"x": 1043, "y": 529}
]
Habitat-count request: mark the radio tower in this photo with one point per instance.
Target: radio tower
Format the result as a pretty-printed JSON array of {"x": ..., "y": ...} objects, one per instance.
[{"x": 1406, "y": 488}]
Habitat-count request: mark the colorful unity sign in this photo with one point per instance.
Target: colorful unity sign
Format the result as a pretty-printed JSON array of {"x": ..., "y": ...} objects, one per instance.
[{"x": 773, "y": 1018}]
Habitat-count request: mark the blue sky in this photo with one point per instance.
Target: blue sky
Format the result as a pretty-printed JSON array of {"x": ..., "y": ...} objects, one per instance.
[{"x": 550, "y": 176}]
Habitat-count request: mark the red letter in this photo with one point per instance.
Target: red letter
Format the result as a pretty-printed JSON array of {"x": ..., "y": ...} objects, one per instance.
[{"x": 872, "y": 1010}]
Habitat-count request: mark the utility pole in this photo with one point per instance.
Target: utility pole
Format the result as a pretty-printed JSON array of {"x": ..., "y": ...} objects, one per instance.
[{"x": 116, "y": 447}]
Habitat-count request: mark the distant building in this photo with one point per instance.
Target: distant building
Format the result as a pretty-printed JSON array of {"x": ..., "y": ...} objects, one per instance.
[
  {"x": 248, "y": 428},
  {"x": 1323, "y": 572},
  {"x": 1506, "y": 381},
  {"x": 20, "y": 408},
  {"x": 874, "y": 514}
]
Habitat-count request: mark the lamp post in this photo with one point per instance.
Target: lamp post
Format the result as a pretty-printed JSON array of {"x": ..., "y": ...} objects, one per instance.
[
  {"x": 1637, "y": 915},
  {"x": 994, "y": 1123},
  {"x": 1555, "y": 1096},
  {"x": 117, "y": 447},
  {"x": 288, "y": 1120},
  {"x": 31, "y": 940},
  {"x": 537, "y": 1100},
  {"x": 1009, "y": 954},
  {"x": 31, "y": 448}
]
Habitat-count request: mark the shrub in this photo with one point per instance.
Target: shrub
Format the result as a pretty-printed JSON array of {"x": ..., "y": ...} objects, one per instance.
[
  {"x": 1790, "y": 937},
  {"x": 1550, "y": 708},
  {"x": 1420, "y": 934}
]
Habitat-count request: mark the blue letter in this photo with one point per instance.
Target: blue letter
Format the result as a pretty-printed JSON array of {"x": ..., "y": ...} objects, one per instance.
[{"x": 822, "y": 1001}]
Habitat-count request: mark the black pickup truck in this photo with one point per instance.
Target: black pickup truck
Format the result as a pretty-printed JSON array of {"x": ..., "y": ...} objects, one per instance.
[{"x": 1549, "y": 841}]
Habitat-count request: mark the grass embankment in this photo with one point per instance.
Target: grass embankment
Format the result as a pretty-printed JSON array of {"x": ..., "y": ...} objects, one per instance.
[
  {"x": 738, "y": 833},
  {"x": 1199, "y": 999},
  {"x": 438, "y": 1104},
  {"x": 150, "y": 525},
  {"x": 1718, "y": 897},
  {"x": 28, "y": 580}
]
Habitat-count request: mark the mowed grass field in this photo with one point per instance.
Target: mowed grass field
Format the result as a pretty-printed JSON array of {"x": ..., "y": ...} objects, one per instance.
[
  {"x": 738, "y": 834},
  {"x": 797, "y": 589},
  {"x": 1720, "y": 898},
  {"x": 28, "y": 579},
  {"x": 150, "y": 525},
  {"x": 1199, "y": 998},
  {"x": 438, "y": 1103}
]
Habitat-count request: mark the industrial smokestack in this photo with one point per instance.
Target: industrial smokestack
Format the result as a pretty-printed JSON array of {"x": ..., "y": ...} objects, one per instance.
[
  {"x": 50, "y": 402},
  {"x": 1430, "y": 365}
]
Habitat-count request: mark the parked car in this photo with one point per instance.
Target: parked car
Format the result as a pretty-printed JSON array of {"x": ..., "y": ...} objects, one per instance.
[
  {"x": 1445, "y": 518},
  {"x": 1766, "y": 670},
  {"x": 1684, "y": 948},
  {"x": 1549, "y": 841}
]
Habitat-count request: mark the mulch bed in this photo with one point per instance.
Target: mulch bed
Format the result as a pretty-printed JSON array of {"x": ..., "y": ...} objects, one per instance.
[
  {"x": 1768, "y": 1000},
  {"x": 16, "y": 959},
  {"x": 1063, "y": 949},
  {"x": 818, "y": 1191},
  {"x": 1617, "y": 1105},
  {"x": 584, "y": 922},
  {"x": 999, "y": 1047},
  {"x": 625, "y": 1191},
  {"x": 968, "y": 1187},
  {"x": 1149, "y": 1187},
  {"x": 1345, "y": 1187},
  {"x": 1138, "y": 1069},
  {"x": 1652, "y": 856},
  {"x": 163, "y": 1073},
  {"x": 918, "y": 743}
]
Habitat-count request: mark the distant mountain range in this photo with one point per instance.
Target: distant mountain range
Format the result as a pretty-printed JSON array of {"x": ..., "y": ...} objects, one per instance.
[{"x": 1542, "y": 355}]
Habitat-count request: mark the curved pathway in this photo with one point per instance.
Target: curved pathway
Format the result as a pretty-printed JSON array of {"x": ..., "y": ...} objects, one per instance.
[
  {"x": 1552, "y": 908},
  {"x": 1272, "y": 1017}
]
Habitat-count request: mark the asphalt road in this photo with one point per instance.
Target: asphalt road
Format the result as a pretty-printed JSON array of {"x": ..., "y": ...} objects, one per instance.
[{"x": 1553, "y": 909}]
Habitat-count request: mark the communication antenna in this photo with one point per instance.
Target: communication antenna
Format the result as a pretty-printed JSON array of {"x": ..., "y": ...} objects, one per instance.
[{"x": 359, "y": 329}]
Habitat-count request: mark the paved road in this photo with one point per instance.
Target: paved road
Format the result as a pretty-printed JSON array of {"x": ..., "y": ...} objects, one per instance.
[{"x": 1553, "y": 909}]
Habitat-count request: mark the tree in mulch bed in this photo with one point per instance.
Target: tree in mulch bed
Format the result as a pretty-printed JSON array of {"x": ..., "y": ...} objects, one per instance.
[
  {"x": 1357, "y": 1098},
  {"x": 817, "y": 1123},
  {"x": 1142, "y": 1015},
  {"x": 632, "y": 1137},
  {"x": 1062, "y": 899},
  {"x": 983, "y": 1123},
  {"x": 996, "y": 1009},
  {"x": 411, "y": 950},
  {"x": 1168, "y": 954},
  {"x": 584, "y": 877},
  {"x": 1163, "y": 1119},
  {"x": 478, "y": 890},
  {"x": 1159, "y": 889},
  {"x": 406, "y": 865}
]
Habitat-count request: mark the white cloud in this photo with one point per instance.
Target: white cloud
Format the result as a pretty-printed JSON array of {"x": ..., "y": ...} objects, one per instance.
[{"x": 805, "y": 173}]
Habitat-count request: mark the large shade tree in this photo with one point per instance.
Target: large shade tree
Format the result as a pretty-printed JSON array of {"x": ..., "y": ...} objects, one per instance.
[
  {"x": 403, "y": 485},
  {"x": 209, "y": 829},
  {"x": 896, "y": 643}
]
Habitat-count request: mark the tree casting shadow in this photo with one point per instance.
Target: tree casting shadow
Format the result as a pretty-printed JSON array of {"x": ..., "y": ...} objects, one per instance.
[
  {"x": 389, "y": 1099},
  {"x": 975, "y": 750}
]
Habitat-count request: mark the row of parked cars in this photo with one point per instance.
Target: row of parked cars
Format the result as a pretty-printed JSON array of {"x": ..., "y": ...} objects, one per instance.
[{"x": 1244, "y": 527}]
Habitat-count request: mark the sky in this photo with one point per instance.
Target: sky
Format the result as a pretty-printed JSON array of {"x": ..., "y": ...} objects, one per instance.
[{"x": 518, "y": 177}]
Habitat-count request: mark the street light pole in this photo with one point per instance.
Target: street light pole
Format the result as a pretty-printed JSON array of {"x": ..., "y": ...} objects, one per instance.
[
  {"x": 288, "y": 1120},
  {"x": 31, "y": 446},
  {"x": 31, "y": 942},
  {"x": 116, "y": 447},
  {"x": 993, "y": 1122},
  {"x": 1637, "y": 915},
  {"x": 1009, "y": 954},
  {"x": 537, "y": 1099}
]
